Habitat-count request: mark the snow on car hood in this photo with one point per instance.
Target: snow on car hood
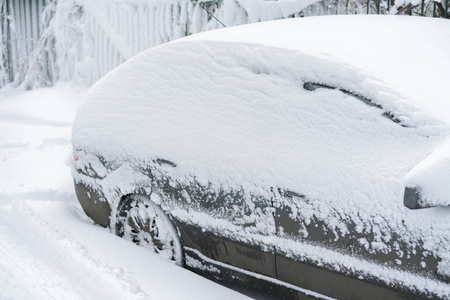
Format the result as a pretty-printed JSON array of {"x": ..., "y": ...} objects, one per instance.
[{"x": 229, "y": 107}]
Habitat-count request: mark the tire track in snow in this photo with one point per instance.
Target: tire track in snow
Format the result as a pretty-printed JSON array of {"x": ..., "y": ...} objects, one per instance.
[
  {"x": 31, "y": 273},
  {"x": 93, "y": 277}
]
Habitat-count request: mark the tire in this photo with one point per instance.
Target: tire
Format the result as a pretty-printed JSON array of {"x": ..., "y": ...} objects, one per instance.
[{"x": 142, "y": 221}]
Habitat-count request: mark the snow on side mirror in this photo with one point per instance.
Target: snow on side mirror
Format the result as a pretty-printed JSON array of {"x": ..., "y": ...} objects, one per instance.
[
  {"x": 428, "y": 183},
  {"x": 411, "y": 198}
]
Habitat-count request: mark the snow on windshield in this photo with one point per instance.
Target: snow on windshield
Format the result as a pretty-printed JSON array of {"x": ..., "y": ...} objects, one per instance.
[{"x": 409, "y": 55}]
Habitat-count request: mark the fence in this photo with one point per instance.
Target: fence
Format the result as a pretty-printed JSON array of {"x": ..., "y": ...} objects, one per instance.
[
  {"x": 46, "y": 41},
  {"x": 21, "y": 27}
]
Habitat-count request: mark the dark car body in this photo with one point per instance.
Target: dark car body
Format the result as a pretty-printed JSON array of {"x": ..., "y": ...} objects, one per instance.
[{"x": 261, "y": 265}]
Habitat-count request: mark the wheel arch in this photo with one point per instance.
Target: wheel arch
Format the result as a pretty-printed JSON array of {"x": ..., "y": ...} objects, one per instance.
[{"x": 127, "y": 199}]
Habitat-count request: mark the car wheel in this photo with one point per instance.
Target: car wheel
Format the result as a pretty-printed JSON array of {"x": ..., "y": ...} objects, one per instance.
[{"x": 142, "y": 221}]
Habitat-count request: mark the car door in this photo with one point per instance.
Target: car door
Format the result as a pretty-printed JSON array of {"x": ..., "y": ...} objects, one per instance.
[
  {"x": 229, "y": 226},
  {"x": 346, "y": 217},
  {"x": 238, "y": 230}
]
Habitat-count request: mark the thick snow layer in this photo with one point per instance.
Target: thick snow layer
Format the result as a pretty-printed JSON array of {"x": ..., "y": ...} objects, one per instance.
[
  {"x": 49, "y": 249},
  {"x": 35, "y": 128},
  {"x": 229, "y": 108}
]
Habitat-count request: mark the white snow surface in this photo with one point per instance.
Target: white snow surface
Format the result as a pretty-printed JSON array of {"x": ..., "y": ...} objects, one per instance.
[
  {"x": 229, "y": 108},
  {"x": 49, "y": 249}
]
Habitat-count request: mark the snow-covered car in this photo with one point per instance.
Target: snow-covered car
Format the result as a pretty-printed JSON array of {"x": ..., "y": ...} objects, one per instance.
[{"x": 289, "y": 155}]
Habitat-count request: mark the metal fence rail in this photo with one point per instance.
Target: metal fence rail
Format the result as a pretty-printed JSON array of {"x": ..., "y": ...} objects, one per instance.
[{"x": 425, "y": 8}]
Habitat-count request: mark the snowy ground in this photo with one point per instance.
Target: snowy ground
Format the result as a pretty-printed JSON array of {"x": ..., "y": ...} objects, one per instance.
[{"x": 48, "y": 248}]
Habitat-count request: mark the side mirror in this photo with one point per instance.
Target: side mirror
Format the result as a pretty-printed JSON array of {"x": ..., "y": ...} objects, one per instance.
[
  {"x": 411, "y": 198},
  {"x": 427, "y": 184}
]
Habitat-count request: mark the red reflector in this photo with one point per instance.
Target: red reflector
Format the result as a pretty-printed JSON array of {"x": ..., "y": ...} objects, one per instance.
[{"x": 75, "y": 156}]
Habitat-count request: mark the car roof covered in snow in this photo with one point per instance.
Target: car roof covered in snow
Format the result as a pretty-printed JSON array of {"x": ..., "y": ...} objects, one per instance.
[{"x": 408, "y": 55}]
